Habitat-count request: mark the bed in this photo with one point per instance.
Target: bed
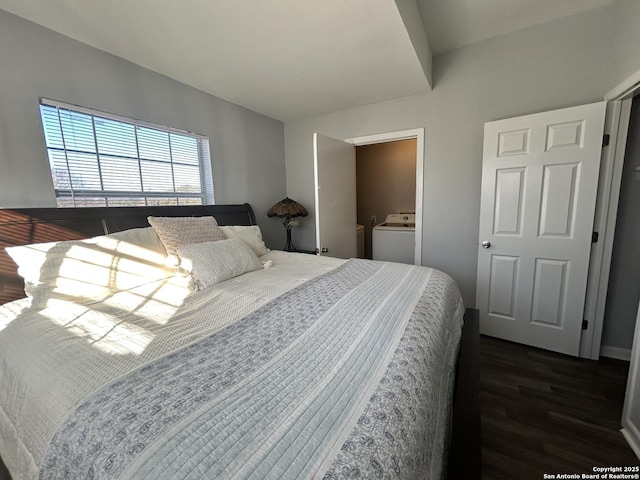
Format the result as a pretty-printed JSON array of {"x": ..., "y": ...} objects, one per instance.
[{"x": 239, "y": 363}]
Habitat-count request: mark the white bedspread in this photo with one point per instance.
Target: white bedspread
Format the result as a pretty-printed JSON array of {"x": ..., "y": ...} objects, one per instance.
[
  {"x": 55, "y": 353},
  {"x": 385, "y": 335}
]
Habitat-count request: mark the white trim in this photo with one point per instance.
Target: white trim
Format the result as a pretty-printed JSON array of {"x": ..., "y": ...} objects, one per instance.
[
  {"x": 625, "y": 89},
  {"x": 418, "y": 134},
  {"x": 617, "y": 126},
  {"x": 615, "y": 352},
  {"x": 316, "y": 194},
  {"x": 610, "y": 198},
  {"x": 631, "y": 398},
  {"x": 631, "y": 440}
]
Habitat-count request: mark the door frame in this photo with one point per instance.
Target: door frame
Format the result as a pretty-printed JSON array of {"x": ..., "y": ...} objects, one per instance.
[
  {"x": 630, "y": 430},
  {"x": 617, "y": 127},
  {"x": 418, "y": 134}
]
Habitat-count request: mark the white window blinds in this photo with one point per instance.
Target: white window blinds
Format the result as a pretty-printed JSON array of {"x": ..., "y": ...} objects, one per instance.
[{"x": 99, "y": 159}]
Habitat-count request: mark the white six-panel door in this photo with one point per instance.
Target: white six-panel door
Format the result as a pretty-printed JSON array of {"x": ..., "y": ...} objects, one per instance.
[{"x": 539, "y": 185}]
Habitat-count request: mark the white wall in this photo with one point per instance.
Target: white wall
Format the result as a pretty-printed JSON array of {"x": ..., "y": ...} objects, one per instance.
[
  {"x": 559, "y": 64},
  {"x": 247, "y": 149},
  {"x": 624, "y": 26}
]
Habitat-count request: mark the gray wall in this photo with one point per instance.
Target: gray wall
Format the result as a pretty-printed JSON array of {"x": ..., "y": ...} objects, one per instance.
[
  {"x": 572, "y": 61},
  {"x": 624, "y": 281},
  {"x": 247, "y": 149}
]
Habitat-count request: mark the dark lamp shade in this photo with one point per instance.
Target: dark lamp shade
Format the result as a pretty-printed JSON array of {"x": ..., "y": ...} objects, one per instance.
[{"x": 287, "y": 208}]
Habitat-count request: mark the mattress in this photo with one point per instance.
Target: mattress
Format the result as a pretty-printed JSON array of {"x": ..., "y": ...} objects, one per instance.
[{"x": 311, "y": 368}]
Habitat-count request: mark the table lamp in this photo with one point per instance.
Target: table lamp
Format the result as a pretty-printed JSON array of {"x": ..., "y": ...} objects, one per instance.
[{"x": 288, "y": 209}]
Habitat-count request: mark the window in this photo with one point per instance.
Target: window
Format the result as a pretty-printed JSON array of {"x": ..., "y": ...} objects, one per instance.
[{"x": 99, "y": 159}]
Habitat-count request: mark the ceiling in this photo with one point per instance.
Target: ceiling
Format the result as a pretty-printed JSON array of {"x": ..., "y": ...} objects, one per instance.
[{"x": 290, "y": 59}]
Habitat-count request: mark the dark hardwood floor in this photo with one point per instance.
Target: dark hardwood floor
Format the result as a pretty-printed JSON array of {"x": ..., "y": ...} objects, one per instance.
[{"x": 544, "y": 412}]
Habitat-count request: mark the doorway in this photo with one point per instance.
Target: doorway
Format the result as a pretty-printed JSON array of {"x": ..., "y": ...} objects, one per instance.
[
  {"x": 385, "y": 183},
  {"x": 417, "y": 135},
  {"x": 616, "y": 132},
  {"x": 623, "y": 292}
]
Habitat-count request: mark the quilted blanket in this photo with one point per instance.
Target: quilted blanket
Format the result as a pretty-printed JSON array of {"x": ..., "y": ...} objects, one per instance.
[{"x": 349, "y": 374}]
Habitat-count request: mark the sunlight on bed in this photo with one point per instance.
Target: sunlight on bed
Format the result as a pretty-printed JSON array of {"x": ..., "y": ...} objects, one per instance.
[
  {"x": 110, "y": 292},
  {"x": 105, "y": 332},
  {"x": 115, "y": 325},
  {"x": 90, "y": 269},
  {"x": 155, "y": 301}
]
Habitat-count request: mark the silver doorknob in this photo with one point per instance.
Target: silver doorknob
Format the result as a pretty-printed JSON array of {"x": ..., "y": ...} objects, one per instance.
[{"x": 485, "y": 244}]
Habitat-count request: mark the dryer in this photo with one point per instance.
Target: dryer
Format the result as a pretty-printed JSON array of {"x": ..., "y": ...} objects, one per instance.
[{"x": 394, "y": 240}]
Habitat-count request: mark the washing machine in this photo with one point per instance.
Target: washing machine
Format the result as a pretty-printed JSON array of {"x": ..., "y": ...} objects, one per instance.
[{"x": 394, "y": 240}]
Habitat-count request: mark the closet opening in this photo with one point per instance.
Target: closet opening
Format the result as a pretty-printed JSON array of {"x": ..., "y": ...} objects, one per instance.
[
  {"x": 390, "y": 180},
  {"x": 386, "y": 200}
]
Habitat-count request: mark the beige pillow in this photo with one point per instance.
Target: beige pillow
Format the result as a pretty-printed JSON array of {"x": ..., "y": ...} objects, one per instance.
[
  {"x": 213, "y": 262},
  {"x": 175, "y": 232},
  {"x": 251, "y": 235}
]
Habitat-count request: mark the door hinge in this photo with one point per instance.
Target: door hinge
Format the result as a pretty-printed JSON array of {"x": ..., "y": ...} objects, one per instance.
[
  {"x": 585, "y": 324},
  {"x": 605, "y": 140},
  {"x": 594, "y": 237}
]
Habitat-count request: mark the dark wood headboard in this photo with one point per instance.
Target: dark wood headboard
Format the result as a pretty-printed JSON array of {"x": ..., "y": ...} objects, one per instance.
[{"x": 22, "y": 226}]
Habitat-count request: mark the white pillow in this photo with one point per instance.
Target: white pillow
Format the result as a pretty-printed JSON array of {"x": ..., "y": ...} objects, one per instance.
[
  {"x": 174, "y": 232},
  {"x": 91, "y": 268},
  {"x": 213, "y": 262},
  {"x": 251, "y": 235}
]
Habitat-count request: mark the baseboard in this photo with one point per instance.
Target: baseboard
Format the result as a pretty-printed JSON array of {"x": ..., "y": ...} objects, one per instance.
[
  {"x": 615, "y": 352},
  {"x": 631, "y": 440}
]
